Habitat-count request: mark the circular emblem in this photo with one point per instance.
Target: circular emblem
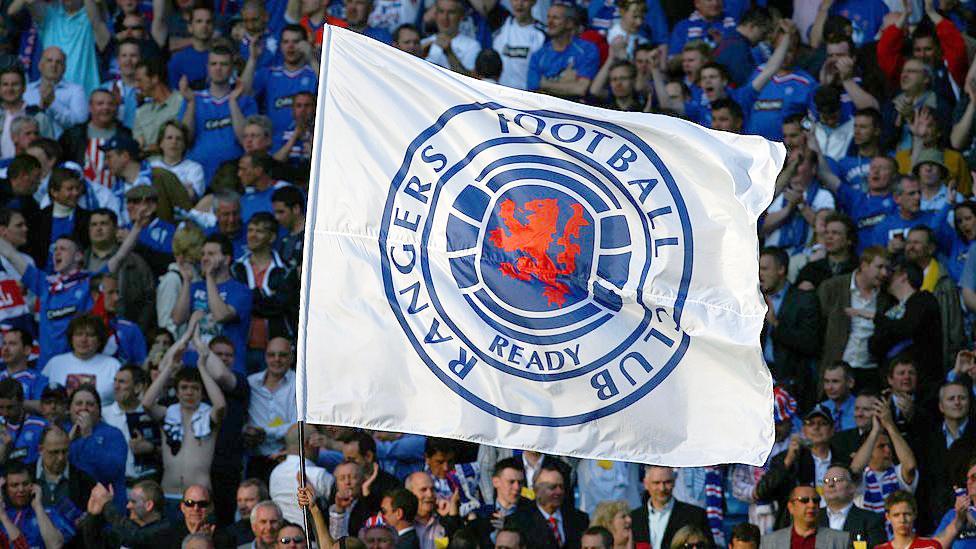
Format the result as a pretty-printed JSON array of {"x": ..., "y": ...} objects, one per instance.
[{"x": 523, "y": 254}]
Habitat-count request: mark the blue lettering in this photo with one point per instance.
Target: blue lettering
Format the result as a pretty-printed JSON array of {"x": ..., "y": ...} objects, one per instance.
[
  {"x": 580, "y": 132},
  {"x": 671, "y": 241},
  {"x": 417, "y": 189},
  {"x": 597, "y": 137},
  {"x": 654, "y": 213},
  {"x": 431, "y": 158},
  {"x": 415, "y": 288},
  {"x": 646, "y": 186},
  {"x": 405, "y": 269},
  {"x": 540, "y": 124},
  {"x": 497, "y": 344},
  {"x": 515, "y": 354},
  {"x": 405, "y": 221},
  {"x": 574, "y": 354},
  {"x": 621, "y": 159},
  {"x": 535, "y": 360},
  {"x": 558, "y": 364},
  {"x": 604, "y": 385},
  {"x": 434, "y": 337},
  {"x": 640, "y": 359},
  {"x": 463, "y": 364}
]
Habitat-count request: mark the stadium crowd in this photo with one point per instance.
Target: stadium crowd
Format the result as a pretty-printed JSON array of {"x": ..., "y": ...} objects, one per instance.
[{"x": 154, "y": 159}]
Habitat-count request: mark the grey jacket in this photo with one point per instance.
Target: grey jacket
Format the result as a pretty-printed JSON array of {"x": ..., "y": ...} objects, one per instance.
[{"x": 826, "y": 539}]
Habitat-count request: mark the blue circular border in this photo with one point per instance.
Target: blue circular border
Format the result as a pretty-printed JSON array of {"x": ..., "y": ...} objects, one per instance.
[{"x": 456, "y": 387}]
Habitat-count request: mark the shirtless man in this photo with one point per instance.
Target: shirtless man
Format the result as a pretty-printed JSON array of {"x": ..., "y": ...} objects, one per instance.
[{"x": 190, "y": 426}]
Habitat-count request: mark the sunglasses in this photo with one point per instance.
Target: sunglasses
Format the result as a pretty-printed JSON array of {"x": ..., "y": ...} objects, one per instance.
[
  {"x": 830, "y": 481},
  {"x": 200, "y": 503},
  {"x": 696, "y": 545},
  {"x": 294, "y": 539},
  {"x": 807, "y": 499}
]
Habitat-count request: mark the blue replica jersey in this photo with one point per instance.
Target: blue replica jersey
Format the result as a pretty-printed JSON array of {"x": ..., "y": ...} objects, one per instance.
[
  {"x": 865, "y": 210},
  {"x": 255, "y": 201},
  {"x": 126, "y": 342},
  {"x": 61, "y": 298},
  {"x": 699, "y": 108},
  {"x": 157, "y": 236},
  {"x": 953, "y": 252},
  {"x": 782, "y": 96},
  {"x": 25, "y": 438},
  {"x": 270, "y": 55},
  {"x": 276, "y": 88},
  {"x": 548, "y": 63},
  {"x": 214, "y": 139},
  {"x": 33, "y": 382},
  {"x": 26, "y": 521},
  {"x": 853, "y": 170},
  {"x": 236, "y": 295},
  {"x": 190, "y": 63},
  {"x": 696, "y": 27},
  {"x": 865, "y": 16},
  {"x": 893, "y": 225},
  {"x": 297, "y": 152}
]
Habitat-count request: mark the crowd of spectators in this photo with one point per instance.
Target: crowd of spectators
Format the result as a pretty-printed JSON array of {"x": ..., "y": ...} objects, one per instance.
[{"x": 154, "y": 163}]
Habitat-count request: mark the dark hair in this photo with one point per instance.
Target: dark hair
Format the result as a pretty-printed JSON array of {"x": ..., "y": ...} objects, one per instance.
[
  {"x": 87, "y": 388},
  {"x": 488, "y": 64},
  {"x": 442, "y": 445},
  {"x": 21, "y": 164},
  {"x": 900, "y": 496},
  {"x": 759, "y": 17},
  {"x": 403, "y": 27},
  {"x": 840, "y": 364},
  {"x": 796, "y": 118},
  {"x": 59, "y": 175},
  {"x": 50, "y": 147},
  {"x": 725, "y": 103},
  {"x": 12, "y": 389},
  {"x": 263, "y": 161},
  {"x": 221, "y": 49},
  {"x": 188, "y": 375},
  {"x": 14, "y": 467},
  {"x": 266, "y": 219},
  {"x": 929, "y": 233},
  {"x": 137, "y": 373},
  {"x": 107, "y": 213},
  {"x": 605, "y": 536},
  {"x": 25, "y": 337},
  {"x": 507, "y": 463},
  {"x": 551, "y": 467},
  {"x": 90, "y": 322},
  {"x": 827, "y": 98},
  {"x": 226, "y": 247},
  {"x": 778, "y": 254},
  {"x": 911, "y": 270},
  {"x": 901, "y": 358},
  {"x": 837, "y": 38},
  {"x": 154, "y": 66},
  {"x": 511, "y": 530},
  {"x": 849, "y": 227},
  {"x": 362, "y": 440},
  {"x": 129, "y": 42},
  {"x": 290, "y": 196},
  {"x": 292, "y": 27},
  {"x": 7, "y": 215},
  {"x": 872, "y": 113},
  {"x": 747, "y": 532},
  {"x": 717, "y": 66},
  {"x": 403, "y": 499},
  {"x": 15, "y": 68},
  {"x": 154, "y": 493}
]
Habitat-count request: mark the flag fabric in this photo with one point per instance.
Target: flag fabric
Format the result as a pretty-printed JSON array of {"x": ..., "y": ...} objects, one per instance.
[{"x": 509, "y": 268}]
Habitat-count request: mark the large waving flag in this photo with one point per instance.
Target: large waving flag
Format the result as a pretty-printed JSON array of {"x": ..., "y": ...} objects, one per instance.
[{"x": 508, "y": 268}]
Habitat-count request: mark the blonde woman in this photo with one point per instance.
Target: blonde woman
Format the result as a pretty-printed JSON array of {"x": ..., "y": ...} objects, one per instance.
[
  {"x": 615, "y": 517},
  {"x": 187, "y": 249},
  {"x": 690, "y": 537}
]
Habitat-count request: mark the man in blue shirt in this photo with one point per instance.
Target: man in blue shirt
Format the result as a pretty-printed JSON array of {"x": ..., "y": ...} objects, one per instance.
[
  {"x": 191, "y": 62},
  {"x": 276, "y": 87},
  {"x": 66, "y": 292},
  {"x": 254, "y": 171},
  {"x": 357, "y": 15},
  {"x": 215, "y": 116},
  {"x": 838, "y": 381},
  {"x": 17, "y": 346},
  {"x": 865, "y": 16},
  {"x": 854, "y": 167},
  {"x": 223, "y": 304},
  {"x": 43, "y": 527},
  {"x": 707, "y": 23},
  {"x": 734, "y": 52},
  {"x": 566, "y": 64},
  {"x": 21, "y": 433},
  {"x": 892, "y": 231},
  {"x": 787, "y": 93}
]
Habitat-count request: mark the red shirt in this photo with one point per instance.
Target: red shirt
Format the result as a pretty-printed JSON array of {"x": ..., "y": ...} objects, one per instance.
[
  {"x": 917, "y": 543},
  {"x": 799, "y": 542}
]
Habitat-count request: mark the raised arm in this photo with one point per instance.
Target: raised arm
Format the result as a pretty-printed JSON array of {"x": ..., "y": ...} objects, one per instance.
[
  {"x": 53, "y": 538},
  {"x": 293, "y": 11},
  {"x": 217, "y": 402},
  {"x": 11, "y": 254},
  {"x": 775, "y": 62},
  {"x": 102, "y": 36},
  {"x": 904, "y": 452},
  {"x": 138, "y": 224},
  {"x": 214, "y": 366},
  {"x": 166, "y": 369},
  {"x": 306, "y": 498},
  {"x": 190, "y": 108},
  {"x": 863, "y": 454},
  {"x": 824, "y": 173},
  {"x": 817, "y": 29},
  {"x": 236, "y": 116},
  {"x": 160, "y": 27}
]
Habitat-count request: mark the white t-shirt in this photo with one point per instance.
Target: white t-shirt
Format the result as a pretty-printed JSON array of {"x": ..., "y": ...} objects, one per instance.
[
  {"x": 70, "y": 371},
  {"x": 189, "y": 172},
  {"x": 390, "y": 14},
  {"x": 821, "y": 200},
  {"x": 465, "y": 48},
  {"x": 515, "y": 44},
  {"x": 284, "y": 485}
]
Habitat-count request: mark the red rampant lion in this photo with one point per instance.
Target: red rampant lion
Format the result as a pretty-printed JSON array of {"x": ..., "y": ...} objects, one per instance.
[{"x": 534, "y": 238}]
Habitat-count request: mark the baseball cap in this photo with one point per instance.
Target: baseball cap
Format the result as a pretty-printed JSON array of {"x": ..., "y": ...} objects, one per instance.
[
  {"x": 821, "y": 411},
  {"x": 121, "y": 142}
]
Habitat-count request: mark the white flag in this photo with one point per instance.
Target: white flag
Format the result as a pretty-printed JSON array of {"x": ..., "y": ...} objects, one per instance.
[{"x": 503, "y": 267}]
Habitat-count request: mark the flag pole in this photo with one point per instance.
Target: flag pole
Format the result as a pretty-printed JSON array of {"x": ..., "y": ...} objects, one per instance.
[{"x": 301, "y": 473}]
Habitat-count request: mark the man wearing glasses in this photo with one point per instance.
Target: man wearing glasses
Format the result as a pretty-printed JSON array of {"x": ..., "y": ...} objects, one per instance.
[
  {"x": 841, "y": 513},
  {"x": 803, "y": 505}
]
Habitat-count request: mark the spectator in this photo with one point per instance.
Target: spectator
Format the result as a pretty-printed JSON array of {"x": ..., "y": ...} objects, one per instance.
[
  {"x": 360, "y": 447},
  {"x": 566, "y": 64},
  {"x": 16, "y": 193},
  {"x": 734, "y": 49},
  {"x": 255, "y": 173},
  {"x": 191, "y": 62},
  {"x": 399, "y": 510},
  {"x": 614, "y": 85},
  {"x": 96, "y": 447},
  {"x": 254, "y": 17},
  {"x": 790, "y": 216},
  {"x": 273, "y": 409},
  {"x": 25, "y": 511},
  {"x": 124, "y": 340},
  {"x": 516, "y": 40},
  {"x": 900, "y": 512},
  {"x": 187, "y": 245},
  {"x": 840, "y": 512},
  {"x": 847, "y": 308},
  {"x": 669, "y": 514},
  {"x": 837, "y": 381},
  {"x": 744, "y": 536},
  {"x": 195, "y": 506},
  {"x": 283, "y": 479},
  {"x": 265, "y": 521},
  {"x": 548, "y": 522},
  {"x": 288, "y": 205},
  {"x": 249, "y": 493},
  {"x": 790, "y": 340},
  {"x": 54, "y": 404},
  {"x": 133, "y": 278},
  {"x": 15, "y": 353},
  {"x": 450, "y": 48},
  {"x": 707, "y": 22},
  {"x": 434, "y": 520},
  {"x": 21, "y": 435},
  {"x": 839, "y": 241},
  {"x": 920, "y": 247},
  {"x": 406, "y": 37},
  {"x": 614, "y": 517},
  {"x": 80, "y": 143},
  {"x": 881, "y": 476},
  {"x": 123, "y": 84},
  {"x": 853, "y": 168},
  {"x": 959, "y": 518},
  {"x": 189, "y": 425},
  {"x": 64, "y": 487},
  {"x": 291, "y": 534},
  {"x": 85, "y": 364},
  {"x": 164, "y": 105},
  {"x": 802, "y": 505},
  {"x": 357, "y": 17},
  {"x": 13, "y": 83},
  {"x": 58, "y": 93},
  {"x": 224, "y": 304},
  {"x": 294, "y": 145},
  {"x": 128, "y": 415},
  {"x": 938, "y": 43},
  {"x": 156, "y": 236},
  {"x": 173, "y": 141},
  {"x": 788, "y": 92},
  {"x": 61, "y": 217}
]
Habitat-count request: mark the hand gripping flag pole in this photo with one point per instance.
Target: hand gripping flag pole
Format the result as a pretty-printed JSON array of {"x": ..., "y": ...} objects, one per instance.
[{"x": 301, "y": 474}]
